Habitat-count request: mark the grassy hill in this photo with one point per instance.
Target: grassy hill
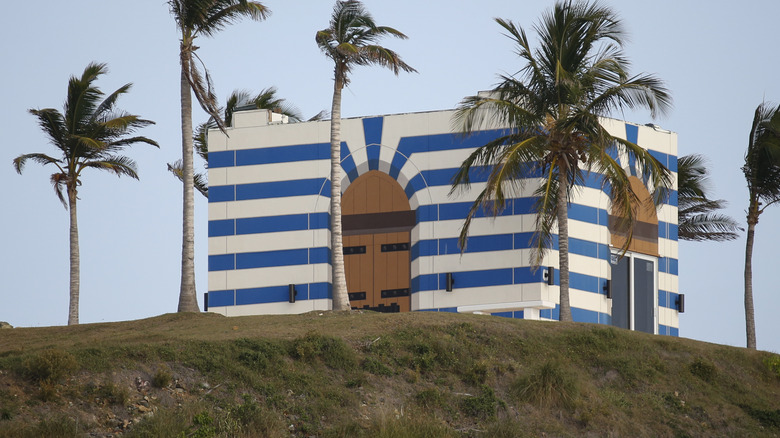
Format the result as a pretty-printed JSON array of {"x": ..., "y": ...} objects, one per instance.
[{"x": 366, "y": 374}]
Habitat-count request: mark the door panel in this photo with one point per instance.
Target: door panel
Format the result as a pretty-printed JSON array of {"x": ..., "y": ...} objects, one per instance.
[
  {"x": 621, "y": 294},
  {"x": 634, "y": 293},
  {"x": 644, "y": 295},
  {"x": 381, "y": 271}
]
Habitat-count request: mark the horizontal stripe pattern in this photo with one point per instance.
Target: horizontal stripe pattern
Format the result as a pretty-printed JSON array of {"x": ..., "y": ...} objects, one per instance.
[
  {"x": 268, "y": 224},
  {"x": 271, "y": 294},
  {"x": 266, "y": 259},
  {"x": 413, "y": 161}
]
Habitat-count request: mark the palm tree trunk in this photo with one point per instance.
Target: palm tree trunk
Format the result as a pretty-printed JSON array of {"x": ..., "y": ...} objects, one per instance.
[
  {"x": 75, "y": 264},
  {"x": 188, "y": 300},
  {"x": 750, "y": 321},
  {"x": 563, "y": 245},
  {"x": 340, "y": 295}
]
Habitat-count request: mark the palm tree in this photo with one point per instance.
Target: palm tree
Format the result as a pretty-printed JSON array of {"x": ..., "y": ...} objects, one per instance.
[
  {"x": 350, "y": 40},
  {"x": 696, "y": 215},
  {"x": 577, "y": 74},
  {"x": 762, "y": 172},
  {"x": 239, "y": 99},
  {"x": 195, "y": 18},
  {"x": 89, "y": 133}
]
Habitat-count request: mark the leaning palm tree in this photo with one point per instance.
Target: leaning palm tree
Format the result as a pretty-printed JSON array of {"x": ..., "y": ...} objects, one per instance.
[
  {"x": 552, "y": 108},
  {"x": 350, "y": 40},
  {"x": 762, "y": 172},
  {"x": 239, "y": 99},
  {"x": 195, "y": 18},
  {"x": 89, "y": 133},
  {"x": 696, "y": 213}
]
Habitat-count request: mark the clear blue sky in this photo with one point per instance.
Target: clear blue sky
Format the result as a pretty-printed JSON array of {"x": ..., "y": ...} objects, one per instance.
[{"x": 718, "y": 58}]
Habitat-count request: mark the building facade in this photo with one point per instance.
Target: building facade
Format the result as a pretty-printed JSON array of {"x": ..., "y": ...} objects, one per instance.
[{"x": 269, "y": 237}]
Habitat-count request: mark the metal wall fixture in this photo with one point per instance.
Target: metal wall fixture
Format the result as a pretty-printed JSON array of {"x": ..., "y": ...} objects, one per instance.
[
  {"x": 549, "y": 275},
  {"x": 449, "y": 281},
  {"x": 680, "y": 302},
  {"x": 608, "y": 288},
  {"x": 292, "y": 292}
]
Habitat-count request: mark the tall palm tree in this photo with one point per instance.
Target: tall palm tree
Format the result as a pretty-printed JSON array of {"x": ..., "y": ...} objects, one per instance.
[
  {"x": 762, "y": 172},
  {"x": 552, "y": 107},
  {"x": 350, "y": 40},
  {"x": 265, "y": 99},
  {"x": 195, "y": 18},
  {"x": 90, "y": 133},
  {"x": 696, "y": 213}
]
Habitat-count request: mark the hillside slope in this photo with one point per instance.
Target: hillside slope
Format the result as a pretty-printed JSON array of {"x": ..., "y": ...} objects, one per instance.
[{"x": 365, "y": 374}]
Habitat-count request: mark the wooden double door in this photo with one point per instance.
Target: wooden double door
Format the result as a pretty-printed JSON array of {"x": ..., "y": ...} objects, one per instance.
[
  {"x": 377, "y": 267},
  {"x": 376, "y": 221}
]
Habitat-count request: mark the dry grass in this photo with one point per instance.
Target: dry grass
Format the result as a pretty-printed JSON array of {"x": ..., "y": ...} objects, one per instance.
[{"x": 371, "y": 374}]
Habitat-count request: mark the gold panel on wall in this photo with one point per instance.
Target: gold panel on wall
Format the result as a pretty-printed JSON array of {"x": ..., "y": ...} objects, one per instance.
[{"x": 644, "y": 237}]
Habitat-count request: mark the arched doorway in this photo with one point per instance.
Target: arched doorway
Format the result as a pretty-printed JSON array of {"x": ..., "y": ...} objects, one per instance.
[
  {"x": 376, "y": 221},
  {"x": 634, "y": 283}
]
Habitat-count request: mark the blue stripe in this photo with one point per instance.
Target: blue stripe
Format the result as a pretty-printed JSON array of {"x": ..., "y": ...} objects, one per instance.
[
  {"x": 281, "y": 154},
  {"x": 279, "y": 189},
  {"x": 319, "y": 221},
  {"x": 668, "y": 330},
  {"x": 224, "y": 262},
  {"x": 220, "y": 298},
  {"x": 668, "y": 265},
  {"x": 552, "y": 313},
  {"x": 271, "y": 224},
  {"x": 517, "y": 314},
  {"x": 269, "y": 294},
  {"x": 408, "y": 146},
  {"x": 222, "y": 193},
  {"x": 226, "y": 227},
  {"x": 319, "y": 255},
  {"x": 348, "y": 162},
  {"x": 591, "y": 316},
  {"x": 372, "y": 132},
  {"x": 318, "y": 291},
  {"x": 460, "y": 210},
  {"x": 415, "y": 184},
  {"x": 222, "y": 159},
  {"x": 632, "y": 135},
  {"x": 265, "y": 259},
  {"x": 670, "y": 161},
  {"x": 427, "y": 213},
  {"x": 496, "y": 242}
]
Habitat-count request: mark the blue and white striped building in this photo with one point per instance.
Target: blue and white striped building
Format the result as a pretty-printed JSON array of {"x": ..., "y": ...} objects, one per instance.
[{"x": 268, "y": 227}]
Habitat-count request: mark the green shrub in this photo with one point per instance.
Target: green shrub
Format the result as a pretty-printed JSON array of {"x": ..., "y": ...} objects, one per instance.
[
  {"x": 703, "y": 369},
  {"x": 332, "y": 351},
  {"x": 57, "y": 427},
  {"x": 202, "y": 426},
  {"x": 548, "y": 386},
  {"x": 374, "y": 366},
  {"x": 165, "y": 423},
  {"x": 251, "y": 419},
  {"x": 428, "y": 398},
  {"x": 49, "y": 366},
  {"x": 767, "y": 418},
  {"x": 483, "y": 406},
  {"x": 114, "y": 394},
  {"x": 773, "y": 363},
  {"x": 477, "y": 373},
  {"x": 162, "y": 377}
]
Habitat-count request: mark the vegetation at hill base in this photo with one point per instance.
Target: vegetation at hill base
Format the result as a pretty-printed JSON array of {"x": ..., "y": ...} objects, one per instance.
[{"x": 366, "y": 374}]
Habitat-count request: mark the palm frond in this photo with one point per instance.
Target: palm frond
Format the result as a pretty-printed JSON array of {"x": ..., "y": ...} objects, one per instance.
[{"x": 199, "y": 179}]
